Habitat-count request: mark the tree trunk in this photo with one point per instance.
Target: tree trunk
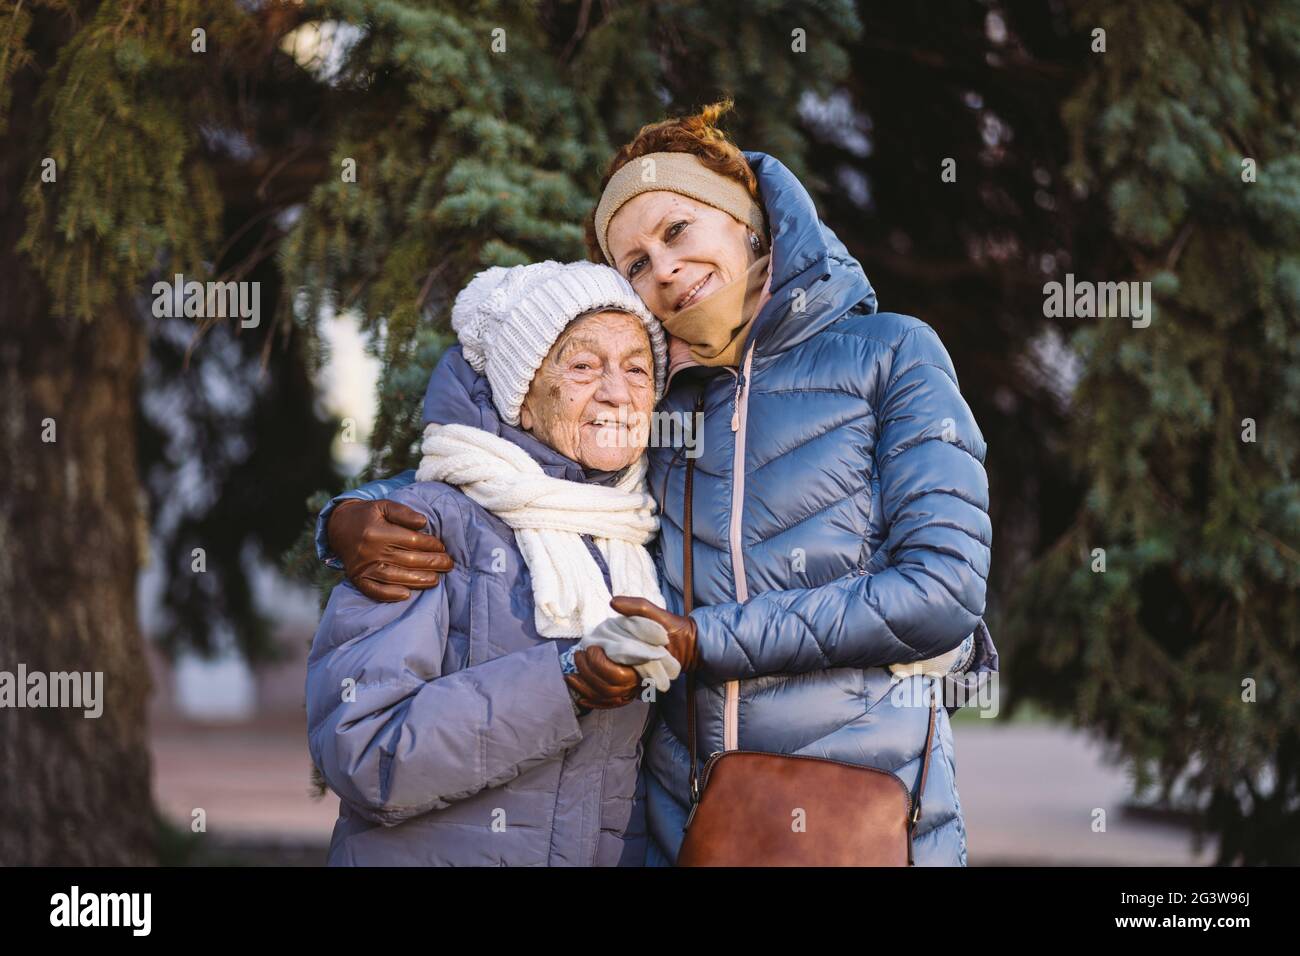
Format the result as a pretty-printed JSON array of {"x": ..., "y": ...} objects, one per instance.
[{"x": 73, "y": 789}]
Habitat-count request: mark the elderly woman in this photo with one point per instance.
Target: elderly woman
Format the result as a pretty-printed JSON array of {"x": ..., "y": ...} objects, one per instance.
[
  {"x": 841, "y": 529},
  {"x": 444, "y": 722}
]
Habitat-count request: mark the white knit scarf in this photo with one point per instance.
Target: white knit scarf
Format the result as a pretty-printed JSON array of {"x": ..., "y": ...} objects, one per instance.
[{"x": 548, "y": 516}]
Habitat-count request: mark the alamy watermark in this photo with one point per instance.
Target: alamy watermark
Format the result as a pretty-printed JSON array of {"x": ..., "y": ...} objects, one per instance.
[
  {"x": 211, "y": 300},
  {"x": 80, "y": 690},
  {"x": 978, "y": 689},
  {"x": 655, "y": 430},
  {"x": 75, "y": 908},
  {"x": 1088, "y": 300}
]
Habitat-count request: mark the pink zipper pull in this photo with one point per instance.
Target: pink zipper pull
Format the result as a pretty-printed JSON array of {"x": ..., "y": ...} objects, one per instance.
[{"x": 735, "y": 415}]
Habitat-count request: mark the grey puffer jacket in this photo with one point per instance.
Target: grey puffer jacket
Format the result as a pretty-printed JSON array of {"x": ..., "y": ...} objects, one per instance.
[{"x": 443, "y": 722}]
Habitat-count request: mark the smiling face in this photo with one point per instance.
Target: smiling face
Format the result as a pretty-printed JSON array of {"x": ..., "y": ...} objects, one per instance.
[
  {"x": 592, "y": 397},
  {"x": 675, "y": 250}
]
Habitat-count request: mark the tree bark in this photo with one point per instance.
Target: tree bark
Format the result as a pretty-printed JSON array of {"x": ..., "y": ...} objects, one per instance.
[{"x": 74, "y": 790}]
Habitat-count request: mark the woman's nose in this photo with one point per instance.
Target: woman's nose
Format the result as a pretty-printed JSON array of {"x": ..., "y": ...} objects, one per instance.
[
  {"x": 614, "y": 388},
  {"x": 664, "y": 265}
]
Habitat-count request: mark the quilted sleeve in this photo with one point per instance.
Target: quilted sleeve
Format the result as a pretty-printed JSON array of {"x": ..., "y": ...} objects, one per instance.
[
  {"x": 927, "y": 591},
  {"x": 395, "y": 731},
  {"x": 370, "y": 491}
]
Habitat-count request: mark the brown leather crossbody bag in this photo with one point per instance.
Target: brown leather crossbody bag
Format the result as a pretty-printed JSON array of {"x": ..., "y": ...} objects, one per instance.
[{"x": 750, "y": 808}]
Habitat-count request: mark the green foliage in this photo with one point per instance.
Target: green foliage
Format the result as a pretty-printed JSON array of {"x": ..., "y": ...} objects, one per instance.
[
  {"x": 479, "y": 134},
  {"x": 15, "y": 25},
  {"x": 128, "y": 109},
  {"x": 1200, "y": 528},
  {"x": 124, "y": 102}
]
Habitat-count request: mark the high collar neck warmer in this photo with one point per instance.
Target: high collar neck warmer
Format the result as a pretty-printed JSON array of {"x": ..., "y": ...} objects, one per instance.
[{"x": 715, "y": 329}]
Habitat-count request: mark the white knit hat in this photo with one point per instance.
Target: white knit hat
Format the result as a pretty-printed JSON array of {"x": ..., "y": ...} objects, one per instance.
[{"x": 508, "y": 319}]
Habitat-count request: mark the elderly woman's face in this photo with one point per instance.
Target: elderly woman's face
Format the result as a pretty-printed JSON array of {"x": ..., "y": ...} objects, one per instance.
[
  {"x": 592, "y": 397},
  {"x": 676, "y": 251}
]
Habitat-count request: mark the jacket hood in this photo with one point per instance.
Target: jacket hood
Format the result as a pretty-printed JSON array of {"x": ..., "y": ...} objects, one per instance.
[
  {"x": 806, "y": 255},
  {"x": 458, "y": 395}
]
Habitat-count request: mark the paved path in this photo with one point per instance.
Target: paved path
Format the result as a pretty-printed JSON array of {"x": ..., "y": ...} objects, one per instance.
[
  {"x": 1028, "y": 792},
  {"x": 253, "y": 782}
]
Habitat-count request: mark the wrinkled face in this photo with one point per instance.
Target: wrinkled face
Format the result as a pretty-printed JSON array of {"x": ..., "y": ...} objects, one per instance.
[
  {"x": 676, "y": 251},
  {"x": 592, "y": 397}
]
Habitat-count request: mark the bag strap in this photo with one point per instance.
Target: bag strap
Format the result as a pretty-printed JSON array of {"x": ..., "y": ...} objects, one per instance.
[
  {"x": 688, "y": 604},
  {"x": 925, "y": 769},
  {"x": 688, "y": 600}
]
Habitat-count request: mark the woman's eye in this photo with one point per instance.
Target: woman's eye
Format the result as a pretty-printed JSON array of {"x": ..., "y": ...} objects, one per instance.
[
  {"x": 637, "y": 368},
  {"x": 634, "y": 268},
  {"x": 582, "y": 366},
  {"x": 676, "y": 227}
]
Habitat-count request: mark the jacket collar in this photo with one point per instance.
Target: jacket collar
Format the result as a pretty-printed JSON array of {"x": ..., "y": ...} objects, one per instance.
[
  {"x": 458, "y": 395},
  {"x": 807, "y": 257}
]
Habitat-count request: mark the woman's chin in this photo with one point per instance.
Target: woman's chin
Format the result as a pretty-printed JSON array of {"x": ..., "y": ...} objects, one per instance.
[{"x": 608, "y": 459}]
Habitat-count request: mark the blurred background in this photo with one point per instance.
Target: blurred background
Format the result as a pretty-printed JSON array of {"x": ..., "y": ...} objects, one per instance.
[{"x": 360, "y": 161}]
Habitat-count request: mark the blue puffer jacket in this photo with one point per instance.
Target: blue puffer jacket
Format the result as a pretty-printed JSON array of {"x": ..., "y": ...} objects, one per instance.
[
  {"x": 841, "y": 524},
  {"x": 443, "y": 722}
]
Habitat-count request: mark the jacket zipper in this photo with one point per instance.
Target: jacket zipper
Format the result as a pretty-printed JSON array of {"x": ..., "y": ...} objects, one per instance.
[
  {"x": 739, "y": 426},
  {"x": 731, "y": 690}
]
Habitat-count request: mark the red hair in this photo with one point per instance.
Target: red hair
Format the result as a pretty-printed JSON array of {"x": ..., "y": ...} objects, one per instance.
[{"x": 697, "y": 134}]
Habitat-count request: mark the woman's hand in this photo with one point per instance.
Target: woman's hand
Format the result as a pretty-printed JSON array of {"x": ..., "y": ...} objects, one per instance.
[
  {"x": 681, "y": 630},
  {"x": 384, "y": 549},
  {"x": 600, "y": 683},
  {"x": 636, "y": 643}
]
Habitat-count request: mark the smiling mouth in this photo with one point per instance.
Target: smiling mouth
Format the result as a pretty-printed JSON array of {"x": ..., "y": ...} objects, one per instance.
[{"x": 693, "y": 293}]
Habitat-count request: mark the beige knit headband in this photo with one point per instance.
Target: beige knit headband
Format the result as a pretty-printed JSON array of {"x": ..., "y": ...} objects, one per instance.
[{"x": 682, "y": 173}]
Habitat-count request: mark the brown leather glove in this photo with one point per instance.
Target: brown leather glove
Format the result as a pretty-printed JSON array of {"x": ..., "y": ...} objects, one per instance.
[
  {"x": 681, "y": 630},
  {"x": 384, "y": 549},
  {"x": 600, "y": 683}
]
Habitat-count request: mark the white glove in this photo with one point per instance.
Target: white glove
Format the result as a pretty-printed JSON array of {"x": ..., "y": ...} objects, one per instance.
[
  {"x": 636, "y": 642},
  {"x": 658, "y": 672},
  {"x": 933, "y": 666}
]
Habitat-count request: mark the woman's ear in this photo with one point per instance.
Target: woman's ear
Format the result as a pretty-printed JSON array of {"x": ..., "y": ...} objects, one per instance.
[{"x": 525, "y": 417}]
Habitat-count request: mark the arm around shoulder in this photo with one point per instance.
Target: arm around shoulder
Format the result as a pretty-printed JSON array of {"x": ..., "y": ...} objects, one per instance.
[{"x": 399, "y": 728}]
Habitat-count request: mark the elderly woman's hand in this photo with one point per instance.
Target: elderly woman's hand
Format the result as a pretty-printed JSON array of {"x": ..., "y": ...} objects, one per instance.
[{"x": 638, "y": 643}]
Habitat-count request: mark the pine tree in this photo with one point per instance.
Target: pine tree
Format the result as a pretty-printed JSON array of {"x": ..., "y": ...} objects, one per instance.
[
  {"x": 1165, "y": 617},
  {"x": 464, "y": 138},
  {"x": 106, "y": 184}
]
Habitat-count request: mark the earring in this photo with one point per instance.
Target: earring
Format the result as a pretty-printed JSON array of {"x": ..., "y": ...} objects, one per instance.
[{"x": 754, "y": 242}]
